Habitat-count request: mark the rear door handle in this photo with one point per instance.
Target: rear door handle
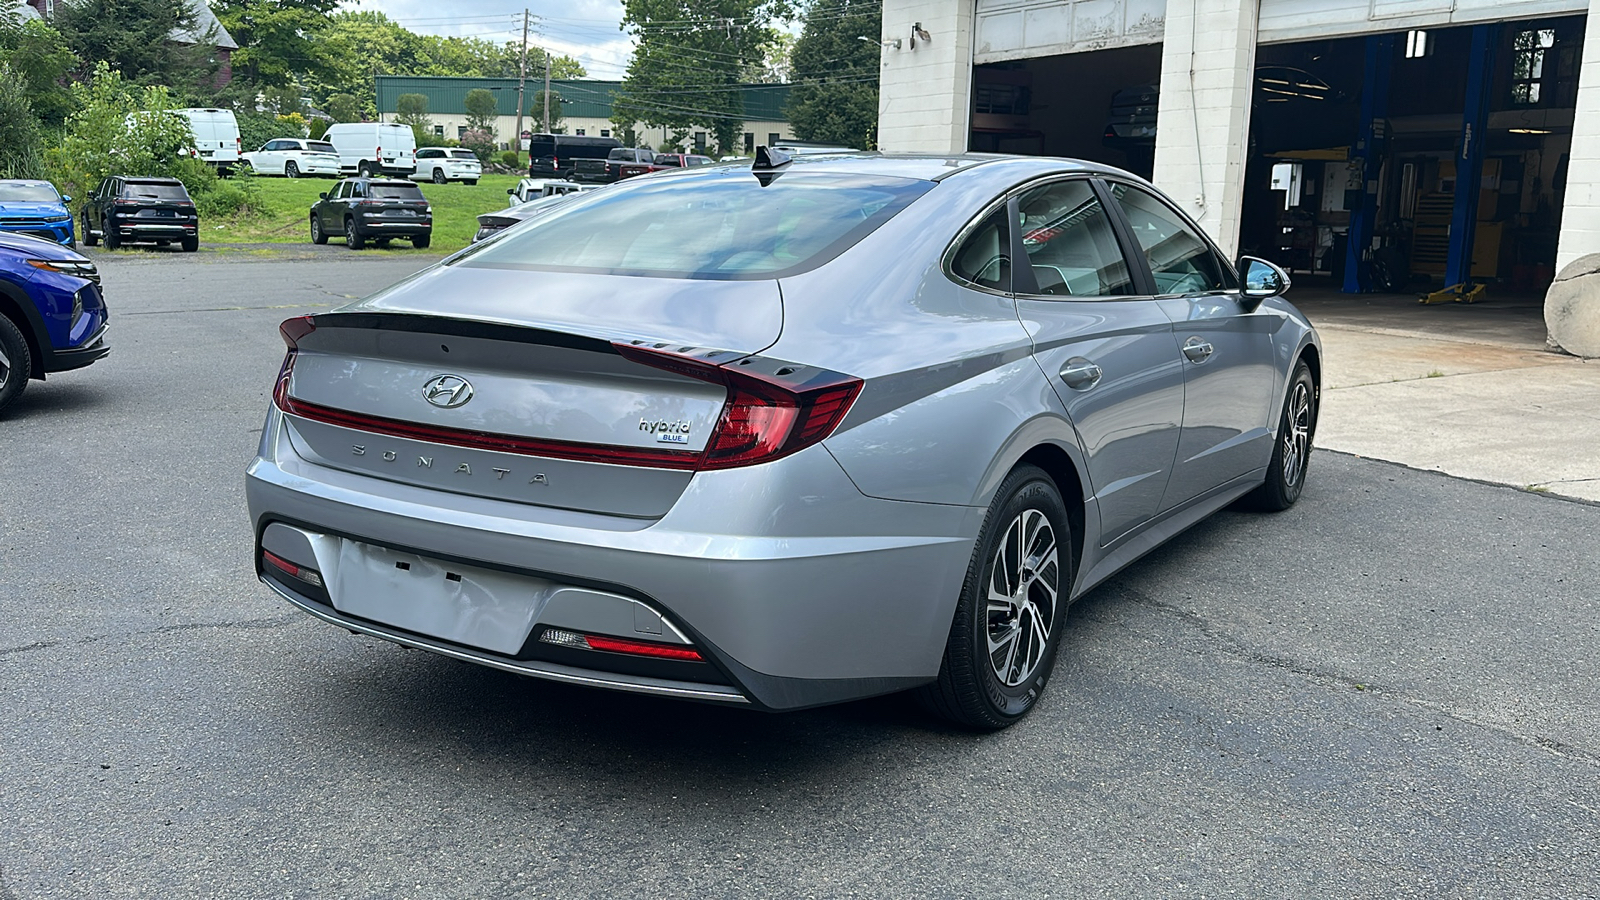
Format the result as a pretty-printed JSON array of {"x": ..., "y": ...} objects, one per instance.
[
  {"x": 1080, "y": 374},
  {"x": 1198, "y": 350}
]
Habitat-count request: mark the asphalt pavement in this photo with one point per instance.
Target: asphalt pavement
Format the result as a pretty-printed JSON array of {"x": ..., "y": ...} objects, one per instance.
[{"x": 1390, "y": 690}]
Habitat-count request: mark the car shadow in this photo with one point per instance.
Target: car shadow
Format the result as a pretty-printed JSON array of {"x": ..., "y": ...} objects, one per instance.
[{"x": 42, "y": 399}]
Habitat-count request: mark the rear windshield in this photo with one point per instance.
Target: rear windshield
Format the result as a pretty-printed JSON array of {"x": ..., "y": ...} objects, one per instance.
[
  {"x": 28, "y": 193},
  {"x": 719, "y": 225},
  {"x": 620, "y": 153},
  {"x": 463, "y": 154},
  {"x": 395, "y": 192},
  {"x": 320, "y": 147},
  {"x": 144, "y": 190}
]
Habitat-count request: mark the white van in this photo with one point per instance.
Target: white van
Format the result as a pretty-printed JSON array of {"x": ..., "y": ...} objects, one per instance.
[
  {"x": 216, "y": 135},
  {"x": 374, "y": 148}
]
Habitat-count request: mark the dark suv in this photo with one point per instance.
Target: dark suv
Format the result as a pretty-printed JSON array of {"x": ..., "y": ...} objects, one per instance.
[
  {"x": 557, "y": 155},
  {"x": 125, "y": 209},
  {"x": 372, "y": 209}
]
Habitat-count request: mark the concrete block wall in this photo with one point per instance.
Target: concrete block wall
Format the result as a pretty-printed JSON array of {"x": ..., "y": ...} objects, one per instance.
[
  {"x": 1580, "y": 217},
  {"x": 925, "y": 92},
  {"x": 1203, "y": 125}
]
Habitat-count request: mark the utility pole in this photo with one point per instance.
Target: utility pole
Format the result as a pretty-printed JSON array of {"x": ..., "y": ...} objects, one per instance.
[
  {"x": 547, "y": 89},
  {"x": 522, "y": 80}
]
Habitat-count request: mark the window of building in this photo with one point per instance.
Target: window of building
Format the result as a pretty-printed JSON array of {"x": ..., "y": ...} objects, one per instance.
[
  {"x": 772, "y": 138},
  {"x": 1528, "y": 65},
  {"x": 749, "y": 142},
  {"x": 605, "y": 132},
  {"x": 439, "y": 130},
  {"x": 580, "y": 132},
  {"x": 460, "y": 130},
  {"x": 1418, "y": 44},
  {"x": 699, "y": 142}
]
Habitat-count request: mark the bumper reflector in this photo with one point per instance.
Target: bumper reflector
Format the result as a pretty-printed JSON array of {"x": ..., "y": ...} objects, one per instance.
[
  {"x": 563, "y": 638},
  {"x": 309, "y": 576}
]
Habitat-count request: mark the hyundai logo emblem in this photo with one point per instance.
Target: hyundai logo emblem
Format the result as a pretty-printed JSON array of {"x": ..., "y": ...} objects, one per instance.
[{"x": 447, "y": 391}]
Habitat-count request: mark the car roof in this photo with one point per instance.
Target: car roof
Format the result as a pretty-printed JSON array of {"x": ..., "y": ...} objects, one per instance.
[
  {"x": 30, "y": 182},
  {"x": 934, "y": 166},
  {"x": 382, "y": 180}
]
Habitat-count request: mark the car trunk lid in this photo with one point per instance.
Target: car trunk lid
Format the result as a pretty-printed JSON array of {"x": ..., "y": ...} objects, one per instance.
[{"x": 515, "y": 390}]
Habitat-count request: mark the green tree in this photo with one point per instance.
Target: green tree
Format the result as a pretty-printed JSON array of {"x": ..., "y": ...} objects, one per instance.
[
  {"x": 19, "y": 128},
  {"x": 39, "y": 61},
  {"x": 277, "y": 38},
  {"x": 135, "y": 38},
  {"x": 689, "y": 60},
  {"x": 343, "y": 108},
  {"x": 482, "y": 111},
  {"x": 835, "y": 98},
  {"x": 127, "y": 128},
  {"x": 412, "y": 109},
  {"x": 554, "y": 126}
]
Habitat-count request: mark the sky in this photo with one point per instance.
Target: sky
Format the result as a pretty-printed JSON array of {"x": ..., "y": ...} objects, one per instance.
[{"x": 586, "y": 30}]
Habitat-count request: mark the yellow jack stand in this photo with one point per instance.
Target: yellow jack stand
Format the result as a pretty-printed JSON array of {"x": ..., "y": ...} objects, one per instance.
[{"x": 1456, "y": 293}]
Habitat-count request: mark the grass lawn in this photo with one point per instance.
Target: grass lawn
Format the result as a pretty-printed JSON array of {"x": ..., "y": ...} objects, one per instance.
[{"x": 456, "y": 207}]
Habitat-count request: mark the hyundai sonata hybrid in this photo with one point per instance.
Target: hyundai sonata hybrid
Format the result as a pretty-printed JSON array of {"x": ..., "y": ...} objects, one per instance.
[{"x": 783, "y": 435}]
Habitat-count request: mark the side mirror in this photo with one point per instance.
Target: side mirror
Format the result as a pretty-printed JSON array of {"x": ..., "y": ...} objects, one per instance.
[
  {"x": 511, "y": 190},
  {"x": 1262, "y": 280},
  {"x": 323, "y": 195},
  {"x": 67, "y": 198}
]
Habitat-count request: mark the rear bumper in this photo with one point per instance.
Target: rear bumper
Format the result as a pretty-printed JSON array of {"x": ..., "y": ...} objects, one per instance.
[
  {"x": 135, "y": 230},
  {"x": 799, "y": 602}
]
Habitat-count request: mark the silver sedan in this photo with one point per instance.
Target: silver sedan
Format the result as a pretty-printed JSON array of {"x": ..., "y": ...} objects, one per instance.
[{"x": 783, "y": 435}]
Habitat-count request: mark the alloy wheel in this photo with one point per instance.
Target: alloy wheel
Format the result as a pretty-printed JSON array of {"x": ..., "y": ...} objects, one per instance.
[
  {"x": 1024, "y": 586},
  {"x": 1297, "y": 437},
  {"x": 290, "y": 170}
]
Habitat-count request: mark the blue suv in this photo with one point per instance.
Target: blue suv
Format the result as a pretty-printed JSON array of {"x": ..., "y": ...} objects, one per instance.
[
  {"x": 34, "y": 208},
  {"x": 52, "y": 316}
]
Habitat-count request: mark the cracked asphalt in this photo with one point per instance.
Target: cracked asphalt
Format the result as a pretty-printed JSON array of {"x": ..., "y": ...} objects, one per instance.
[{"x": 1389, "y": 691}]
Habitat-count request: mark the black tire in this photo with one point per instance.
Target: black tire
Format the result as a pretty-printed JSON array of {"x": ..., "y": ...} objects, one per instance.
[
  {"x": 318, "y": 236},
  {"x": 16, "y": 363},
  {"x": 438, "y": 176},
  {"x": 1291, "y": 452},
  {"x": 421, "y": 241},
  {"x": 112, "y": 240},
  {"x": 365, "y": 169},
  {"x": 290, "y": 170},
  {"x": 353, "y": 238},
  {"x": 89, "y": 237},
  {"x": 971, "y": 689},
  {"x": 191, "y": 244}
]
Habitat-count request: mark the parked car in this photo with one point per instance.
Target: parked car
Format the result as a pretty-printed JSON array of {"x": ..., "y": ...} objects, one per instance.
[
  {"x": 556, "y": 155},
  {"x": 364, "y": 210},
  {"x": 842, "y": 426},
  {"x": 444, "y": 164},
  {"x": 493, "y": 223},
  {"x": 374, "y": 148},
  {"x": 682, "y": 160},
  {"x": 527, "y": 189},
  {"x": 623, "y": 162},
  {"x": 52, "y": 315},
  {"x": 293, "y": 157},
  {"x": 126, "y": 209},
  {"x": 36, "y": 209},
  {"x": 216, "y": 135}
]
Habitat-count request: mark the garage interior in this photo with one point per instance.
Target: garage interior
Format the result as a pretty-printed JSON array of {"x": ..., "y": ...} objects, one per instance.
[{"x": 1358, "y": 149}]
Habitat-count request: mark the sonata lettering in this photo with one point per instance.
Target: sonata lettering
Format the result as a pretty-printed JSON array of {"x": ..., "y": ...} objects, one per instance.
[
  {"x": 425, "y": 462},
  {"x": 462, "y": 468}
]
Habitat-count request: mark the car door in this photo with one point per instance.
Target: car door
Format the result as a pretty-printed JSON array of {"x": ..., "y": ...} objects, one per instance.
[
  {"x": 1105, "y": 345},
  {"x": 1229, "y": 377},
  {"x": 332, "y": 209}
]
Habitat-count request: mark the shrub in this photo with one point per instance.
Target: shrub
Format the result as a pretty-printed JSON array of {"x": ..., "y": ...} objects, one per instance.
[
  {"x": 227, "y": 197},
  {"x": 19, "y": 129},
  {"x": 317, "y": 128},
  {"x": 511, "y": 159},
  {"x": 479, "y": 142}
]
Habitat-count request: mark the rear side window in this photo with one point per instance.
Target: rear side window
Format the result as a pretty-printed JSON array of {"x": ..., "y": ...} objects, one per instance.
[
  {"x": 321, "y": 147},
  {"x": 396, "y": 192},
  {"x": 463, "y": 154},
  {"x": 144, "y": 190},
  {"x": 984, "y": 256},
  {"x": 716, "y": 225},
  {"x": 537, "y": 149},
  {"x": 1180, "y": 259},
  {"x": 620, "y": 155},
  {"x": 1072, "y": 249},
  {"x": 666, "y": 159}
]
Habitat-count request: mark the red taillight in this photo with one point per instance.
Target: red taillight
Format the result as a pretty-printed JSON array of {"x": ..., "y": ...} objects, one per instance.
[
  {"x": 562, "y": 637},
  {"x": 766, "y": 416},
  {"x": 301, "y": 573}
]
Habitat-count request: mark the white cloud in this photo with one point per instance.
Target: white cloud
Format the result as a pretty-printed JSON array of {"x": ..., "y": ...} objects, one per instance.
[{"x": 586, "y": 30}]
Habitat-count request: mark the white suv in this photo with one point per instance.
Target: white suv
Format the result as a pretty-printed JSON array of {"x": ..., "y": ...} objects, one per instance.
[
  {"x": 293, "y": 157},
  {"x": 442, "y": 164}
]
